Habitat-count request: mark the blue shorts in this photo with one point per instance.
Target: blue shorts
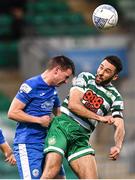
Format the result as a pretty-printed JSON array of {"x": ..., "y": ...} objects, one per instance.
[{"x": 30, "y": 160}]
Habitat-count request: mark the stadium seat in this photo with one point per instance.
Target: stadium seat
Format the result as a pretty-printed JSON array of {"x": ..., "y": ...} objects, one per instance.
[
  {"x": 54, "y": 19},
  {"x": 5, "y": 20},
  {"x": 47, "y": 7},
  {"x": 5, "y": 24},
  {"x": 8, "y": 54}
]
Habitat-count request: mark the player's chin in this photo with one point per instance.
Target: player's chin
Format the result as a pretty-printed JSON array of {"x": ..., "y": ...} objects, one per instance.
[{"x": 98, "y": 82}]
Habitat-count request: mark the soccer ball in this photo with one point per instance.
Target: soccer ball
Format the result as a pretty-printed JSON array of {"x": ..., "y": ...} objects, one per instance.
[{"x": 105, "y": 17}]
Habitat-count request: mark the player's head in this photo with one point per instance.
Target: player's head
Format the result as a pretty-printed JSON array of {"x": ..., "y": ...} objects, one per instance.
[
  {"x": 63, "y": 62},
  {"x": 108, "y": 70},
  {"x": 62, "y": 68}
]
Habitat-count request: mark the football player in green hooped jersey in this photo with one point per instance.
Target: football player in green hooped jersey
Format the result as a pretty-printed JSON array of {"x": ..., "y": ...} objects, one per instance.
[{"x": 90, "y": 100}]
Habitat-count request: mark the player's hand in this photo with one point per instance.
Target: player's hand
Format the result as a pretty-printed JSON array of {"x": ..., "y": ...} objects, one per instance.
[
  {"x": 107, "y": 119},
  {"x": 10, "y": 159},
  {"x": 45, "y": 120},
  {"x": 114, "y": 153}
]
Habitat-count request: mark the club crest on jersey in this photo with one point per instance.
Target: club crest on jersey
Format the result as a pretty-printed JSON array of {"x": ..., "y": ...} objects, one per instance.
[
  {"x": 35, "y": 172},
  {"x": 51, "y": 141},
  {"x": 25, "y": 88}
]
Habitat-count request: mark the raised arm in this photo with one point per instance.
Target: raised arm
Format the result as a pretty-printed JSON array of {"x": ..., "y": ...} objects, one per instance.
[{"x": 76, "y": 106}]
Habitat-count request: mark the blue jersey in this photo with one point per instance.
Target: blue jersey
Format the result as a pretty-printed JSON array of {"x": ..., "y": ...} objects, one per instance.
[
  {"x": 40, "y": 99},
  {"x": 2, "y": 139}
]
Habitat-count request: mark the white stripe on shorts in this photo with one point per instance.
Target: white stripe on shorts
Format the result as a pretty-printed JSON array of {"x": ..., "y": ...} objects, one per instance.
[
  {"x": 55, "y": 149},
  {"x": 79, "y": 153},
  {"x": 24, "y": 161}
]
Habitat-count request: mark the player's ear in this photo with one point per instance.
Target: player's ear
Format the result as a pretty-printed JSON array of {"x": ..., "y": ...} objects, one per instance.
[
  {"x": 115, "y": 77},
  {"x": 56, "y": 69}
]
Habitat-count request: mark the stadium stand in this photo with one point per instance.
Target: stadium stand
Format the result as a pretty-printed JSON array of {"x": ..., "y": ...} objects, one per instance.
[
  {"x": 8, "y": 54},
  {"x": 5, "y": 26},
  {"x": 57, "y": 19}
]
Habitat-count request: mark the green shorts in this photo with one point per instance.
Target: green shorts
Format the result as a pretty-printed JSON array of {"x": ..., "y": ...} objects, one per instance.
[{"x": 68, "y": 138}]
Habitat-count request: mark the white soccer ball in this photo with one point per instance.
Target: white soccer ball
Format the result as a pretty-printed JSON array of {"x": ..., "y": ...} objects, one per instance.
[{"x": 105, "y": 17}]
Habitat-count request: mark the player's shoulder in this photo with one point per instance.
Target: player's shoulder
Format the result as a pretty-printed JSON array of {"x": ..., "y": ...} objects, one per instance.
[
  {"x": 86, "y": 75},
  {"x": 30, "y": 84},
  {"x": 82, "y": 79},
  {"x": 33, "y": 81}
]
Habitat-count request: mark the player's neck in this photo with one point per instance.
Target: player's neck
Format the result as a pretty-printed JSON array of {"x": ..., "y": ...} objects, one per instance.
[{"x": 47, "y": 77}]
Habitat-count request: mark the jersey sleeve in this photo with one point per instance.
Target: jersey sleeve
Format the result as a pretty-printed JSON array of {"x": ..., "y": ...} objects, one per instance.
[
  {"x": 25, "y": 93},
  {"x": 80, "y": 82},
  {"x": 118, "y": 107},
  {"x": 2, "y": 139}
]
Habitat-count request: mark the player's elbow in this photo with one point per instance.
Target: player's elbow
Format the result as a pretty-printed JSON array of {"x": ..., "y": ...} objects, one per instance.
[{"x": 10, "y": 115}]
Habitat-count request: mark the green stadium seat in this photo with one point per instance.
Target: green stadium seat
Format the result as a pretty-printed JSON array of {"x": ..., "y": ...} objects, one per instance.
[
  {"x": 5, "y": 30},
  {"x": 47, "y": 7},
  {"x": 5, "y": 24},
  {"x": 56, "y": 19},
  {"x": 8, "y": 54},
  {"x": 80, "y": 30},
  {"x": 38, "y": 20},
  {"x": 5, "y": 20}
]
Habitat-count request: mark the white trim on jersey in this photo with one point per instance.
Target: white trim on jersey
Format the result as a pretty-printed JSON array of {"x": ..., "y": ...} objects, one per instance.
[
  {"x": 24, "y": 161},
  {"x": 117, "y": 113}
]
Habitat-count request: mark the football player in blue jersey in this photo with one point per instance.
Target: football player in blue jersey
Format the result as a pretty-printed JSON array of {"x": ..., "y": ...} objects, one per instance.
[
  {"x": 6, "y": 149},
  {"x": 32, "y": 108}
]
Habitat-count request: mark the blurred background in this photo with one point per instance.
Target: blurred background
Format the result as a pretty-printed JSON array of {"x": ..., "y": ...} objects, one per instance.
[{"x": 32, "y": 31}]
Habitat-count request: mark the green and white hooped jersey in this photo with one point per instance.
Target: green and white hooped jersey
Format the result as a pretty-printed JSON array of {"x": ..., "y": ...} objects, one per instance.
[{"x": 98, "y": 99}]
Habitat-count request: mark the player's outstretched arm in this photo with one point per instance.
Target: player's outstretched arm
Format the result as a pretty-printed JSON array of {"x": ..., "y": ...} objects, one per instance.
[{"x": 118, "y": 138}]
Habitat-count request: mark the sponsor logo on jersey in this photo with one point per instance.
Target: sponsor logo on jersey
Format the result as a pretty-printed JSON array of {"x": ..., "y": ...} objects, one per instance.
[
  {"x": 42, "y": 94},
  {"x": 25, "y": 88},
  {"x": 47, "y": 104},
  {"x": 92, "y": 101}
]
